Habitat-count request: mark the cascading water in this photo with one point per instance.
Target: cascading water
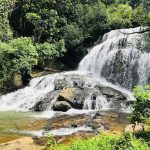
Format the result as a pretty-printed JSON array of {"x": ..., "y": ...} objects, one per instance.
[
  {"x": 25, "y": 99},
  {"x": 116, "y": 59}
]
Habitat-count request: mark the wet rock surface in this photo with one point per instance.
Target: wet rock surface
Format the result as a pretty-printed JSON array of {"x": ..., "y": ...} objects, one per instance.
[
  {"x": 112, "y": 94},
  {"x": 45, "y": 102},
  {"x": 61, "y": 106},
  {"x": 99, "y": 121},
  {"x": 78, "y": 92},
  {"x": 65, "y": 126},
  {"x": 103, "y": 120},
  {"x": 74, "y": 96}
]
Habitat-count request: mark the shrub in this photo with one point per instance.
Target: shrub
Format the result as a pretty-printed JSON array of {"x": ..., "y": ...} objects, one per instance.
[
  {"x": 48, "y": 51},
  {"x": 108, "y": 142},
  {"x": 141, "y": 107},
  {"x": 51, "y": 143}
]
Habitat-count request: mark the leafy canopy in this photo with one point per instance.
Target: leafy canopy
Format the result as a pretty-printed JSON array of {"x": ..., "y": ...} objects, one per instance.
[{"x": 17, "y": 56}]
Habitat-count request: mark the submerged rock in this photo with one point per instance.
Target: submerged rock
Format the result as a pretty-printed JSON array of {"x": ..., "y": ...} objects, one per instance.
[{"x": 25, "y": 143}]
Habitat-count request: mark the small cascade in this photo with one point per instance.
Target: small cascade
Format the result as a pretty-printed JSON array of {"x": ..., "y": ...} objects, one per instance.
[
  {"x": 43, "y": 92},
  {"x": 96, "y": 101},
  {"x": 24, "y": 99}
]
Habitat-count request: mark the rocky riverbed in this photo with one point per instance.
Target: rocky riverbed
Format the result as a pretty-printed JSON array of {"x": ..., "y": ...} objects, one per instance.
[{"x": 63, "y": 126}]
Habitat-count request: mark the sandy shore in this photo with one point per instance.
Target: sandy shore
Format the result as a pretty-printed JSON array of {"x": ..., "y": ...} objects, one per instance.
[{"x": 25, "y": 143}]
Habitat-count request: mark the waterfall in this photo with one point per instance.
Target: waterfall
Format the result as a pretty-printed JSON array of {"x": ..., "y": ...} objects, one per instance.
[
  {"x": 118, "y": 59},
  {"x": 116, "y": 62}
]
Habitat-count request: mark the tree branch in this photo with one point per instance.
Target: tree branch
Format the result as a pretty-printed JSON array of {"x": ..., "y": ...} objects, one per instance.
[{"x": 142, "y": 31}]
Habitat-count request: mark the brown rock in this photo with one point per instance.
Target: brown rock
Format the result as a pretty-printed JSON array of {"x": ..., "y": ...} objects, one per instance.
[
  {"x": 67, "y": 94},
  {"x": 74, "y": 96},
  {"x": 136, "y": 127}
]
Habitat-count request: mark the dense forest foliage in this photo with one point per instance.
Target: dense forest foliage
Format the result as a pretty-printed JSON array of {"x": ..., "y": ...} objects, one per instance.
[{"x": 33, "y": 32}]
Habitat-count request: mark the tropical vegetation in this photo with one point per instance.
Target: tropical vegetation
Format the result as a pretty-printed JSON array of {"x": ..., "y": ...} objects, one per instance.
[{"x": 59, "y": 29}]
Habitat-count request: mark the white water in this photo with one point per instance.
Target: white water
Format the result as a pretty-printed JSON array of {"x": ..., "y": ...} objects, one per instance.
[
  {"x": 25, "y": 99},
  {"x": 56, "y": 132},
  {"x": 96, "y": 67},
  {"x": 100, "y": 103},
  {"x": 119, "y": 49}
]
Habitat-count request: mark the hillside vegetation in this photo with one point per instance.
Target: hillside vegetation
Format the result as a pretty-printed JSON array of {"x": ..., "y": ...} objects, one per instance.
[{"x": 35, "y": 33}]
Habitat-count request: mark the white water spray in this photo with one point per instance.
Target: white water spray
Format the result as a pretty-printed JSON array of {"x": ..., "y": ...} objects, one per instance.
[{"x": 118, "y": 59}]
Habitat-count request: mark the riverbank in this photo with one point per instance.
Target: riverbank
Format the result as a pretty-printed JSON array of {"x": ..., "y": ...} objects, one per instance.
[
  {"x": 25, "y": 143},
  {"x": 28, "y": 128}
]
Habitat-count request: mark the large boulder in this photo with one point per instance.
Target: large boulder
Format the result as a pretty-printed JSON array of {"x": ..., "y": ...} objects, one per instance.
[
  {"x": 74, "y": 96},
  {"x": 112, "y": 94},
  {"x": 61, "y": 106},
  {"x": 77, "y": 97},
  {"x": 67, "y": 94}
]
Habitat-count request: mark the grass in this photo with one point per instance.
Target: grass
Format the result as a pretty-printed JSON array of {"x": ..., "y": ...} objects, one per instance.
[{"x": 104, "y": 142}]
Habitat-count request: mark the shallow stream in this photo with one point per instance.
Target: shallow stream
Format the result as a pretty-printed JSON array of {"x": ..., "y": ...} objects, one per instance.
[{"x": 14, "y": 125}]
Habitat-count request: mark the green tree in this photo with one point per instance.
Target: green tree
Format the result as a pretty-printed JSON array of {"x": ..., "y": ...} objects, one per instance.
[
  {"x": 92, "y": 19},
  {"x": 49, "y": 51},
  {"x": 25, "y": 55},
  {"x": 108, "y": 2},
  {"x": 135, "y": 3},
  {"x": 5, "y": 63},
  {"x": 139, "y": 15},
  {"x": 18, "y": 56},
  {"x": 73, "y": 35},
  {"x": 146, "y": 4},
  {"x": 120, "y": 16},
  {"x": 41, "y": 20},
  {"x": 141, "y": 107},
  {"x": 6, "y": 7}
]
